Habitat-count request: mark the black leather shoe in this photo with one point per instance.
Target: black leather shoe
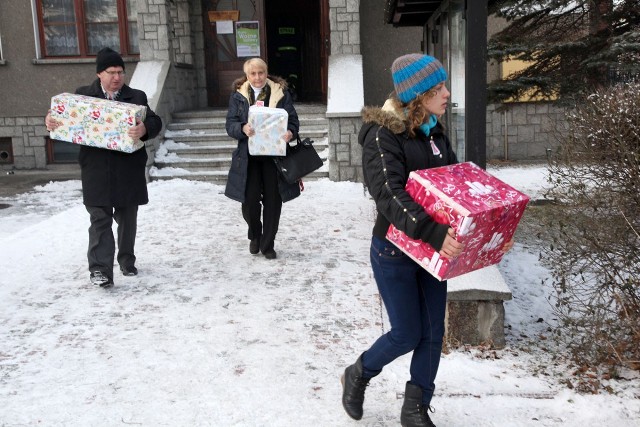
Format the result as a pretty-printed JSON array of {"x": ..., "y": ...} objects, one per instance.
[
  {"x": 98, "y": 278},
  {"x": 270, "y": 254},
  {"x": 254, "y": 246},
  {"x": 129, "y": 270}
]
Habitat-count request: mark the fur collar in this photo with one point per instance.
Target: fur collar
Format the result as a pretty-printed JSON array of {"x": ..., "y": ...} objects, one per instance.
[
  {"x": 239, "y": 82},
  {"x": 278, "y": 86},
  {"x": 389, "y": 116}
]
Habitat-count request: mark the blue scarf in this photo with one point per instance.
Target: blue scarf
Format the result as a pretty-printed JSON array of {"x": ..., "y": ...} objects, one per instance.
[{"x": 426, "y": 127}]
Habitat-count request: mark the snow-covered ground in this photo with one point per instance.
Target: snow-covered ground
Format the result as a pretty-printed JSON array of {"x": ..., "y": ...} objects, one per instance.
[{"x": 209, "y": 335}]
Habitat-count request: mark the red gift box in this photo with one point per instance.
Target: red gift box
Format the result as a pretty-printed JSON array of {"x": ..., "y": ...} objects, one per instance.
[{"x": 483, "y": 211}]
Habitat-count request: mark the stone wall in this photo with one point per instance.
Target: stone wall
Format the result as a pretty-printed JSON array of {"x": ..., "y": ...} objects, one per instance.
[
  {"x": 153, "y": 29},
  {"x": 28, "y": 141},
  {"x": 527, "y": 129},
  {"x": 344, "y": 21},
  {"x": 197, "y": 33},
  {"x": 180, "y": 32},
  {"x": 166, "y": 33},
  {"x": 345, "y": 154},
  {"x": 169, "y": 31}
]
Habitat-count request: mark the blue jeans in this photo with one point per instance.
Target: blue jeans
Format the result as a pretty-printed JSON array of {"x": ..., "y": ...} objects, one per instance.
[{"x": 416, "y": 304}]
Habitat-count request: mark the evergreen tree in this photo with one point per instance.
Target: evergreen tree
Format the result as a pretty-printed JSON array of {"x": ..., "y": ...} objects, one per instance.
[{"x": 574, "y": 46}]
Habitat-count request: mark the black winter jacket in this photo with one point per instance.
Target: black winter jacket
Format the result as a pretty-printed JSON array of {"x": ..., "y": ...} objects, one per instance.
[
  {"x": 113, "y": 178},
  {"x": 238, "y": 116},
  {"x": 388, "y": 156}
]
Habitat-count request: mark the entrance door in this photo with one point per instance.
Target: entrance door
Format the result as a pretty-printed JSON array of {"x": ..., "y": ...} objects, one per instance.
[
  {"x": 447, "y": 30},
  {"x": 222, "y": 63},
  {"x": 294, "y": 41},
  {"x": 297, "y": 45}
]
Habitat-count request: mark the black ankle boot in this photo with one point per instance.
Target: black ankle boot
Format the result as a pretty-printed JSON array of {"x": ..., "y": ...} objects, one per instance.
[
  {"x": 353, "y": 386},
  {"x": 414, "y": 412}
]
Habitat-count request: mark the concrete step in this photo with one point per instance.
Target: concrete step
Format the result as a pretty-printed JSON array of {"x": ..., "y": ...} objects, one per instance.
[
  {"x": 197, "y": 147},
  {"x": 218, "y": 123},
  {"x": 208, "y": 113},
  {"x": 218, "y": 177},
  {"x": 197, "y": 143},
  {"x": 197, "y": 164},
  {"x": 204, "y": 151},
  {"x": 189, "y": 135},
  {"x": 184, "y": 154}
]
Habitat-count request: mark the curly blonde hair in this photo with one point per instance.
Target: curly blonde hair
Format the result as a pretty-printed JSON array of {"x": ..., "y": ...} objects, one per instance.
[{"x": 415, "y": 112}]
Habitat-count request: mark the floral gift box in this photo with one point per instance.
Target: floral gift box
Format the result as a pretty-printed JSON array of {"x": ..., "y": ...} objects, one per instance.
[
  {"x": 96, "y": 122},
  {"x": 270, "y": 125},
  {"x": 483, "y": 211}
]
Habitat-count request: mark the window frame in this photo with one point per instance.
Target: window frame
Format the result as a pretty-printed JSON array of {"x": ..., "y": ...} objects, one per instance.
[
  {"x": 81, "y": 29},
  {"x": 51, "y": 150},
  {"x": 1, "y": 52}
]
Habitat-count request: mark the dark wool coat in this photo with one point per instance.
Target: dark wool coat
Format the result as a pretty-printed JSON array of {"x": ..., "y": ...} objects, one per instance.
[
  {"x": 112, "y": 178},
  {"x": 238, "y": 116},
  {"x": 389, "y": 154}
]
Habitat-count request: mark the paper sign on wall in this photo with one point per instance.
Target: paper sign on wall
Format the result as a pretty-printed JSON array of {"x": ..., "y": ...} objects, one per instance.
[
  {"x": 224, "y": 27},
  {"x": 248, "y": 38}
]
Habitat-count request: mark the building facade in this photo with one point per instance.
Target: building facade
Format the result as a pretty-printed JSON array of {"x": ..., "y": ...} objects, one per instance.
[{"x": 186, "y": 53}]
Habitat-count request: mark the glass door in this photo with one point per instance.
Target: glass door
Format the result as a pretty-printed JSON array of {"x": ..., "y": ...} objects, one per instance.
[
  {"x": 445, "y": 34},
  {"x": 457, "y": 49}
]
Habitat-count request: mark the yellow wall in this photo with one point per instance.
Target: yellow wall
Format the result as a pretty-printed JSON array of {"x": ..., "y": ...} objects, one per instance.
[{"x": 507, "y": 68}]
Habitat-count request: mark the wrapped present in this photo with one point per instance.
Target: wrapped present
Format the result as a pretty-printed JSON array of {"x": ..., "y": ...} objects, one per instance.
[
  {"x": 270, "y": 125},
  {"x": 96, "y": 122},
  {"x": 483, "y": 211}
]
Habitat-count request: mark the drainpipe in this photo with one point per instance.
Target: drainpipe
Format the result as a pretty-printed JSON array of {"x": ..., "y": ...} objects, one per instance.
[{"x": 506, "y": 137}]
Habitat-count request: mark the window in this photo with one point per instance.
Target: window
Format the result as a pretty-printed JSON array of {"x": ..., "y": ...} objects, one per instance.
[
  {"x": 6, "y": 151},
  {"x": 61, "y": 152},
  {"x": 80, "y": 28}
]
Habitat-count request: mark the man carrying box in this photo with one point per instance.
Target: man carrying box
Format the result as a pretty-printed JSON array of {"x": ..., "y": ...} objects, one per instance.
[{"x": 113, "y": 182}]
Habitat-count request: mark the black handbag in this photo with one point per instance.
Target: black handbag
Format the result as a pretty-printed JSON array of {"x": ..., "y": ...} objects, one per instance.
[{"x": 301, "y": 160}]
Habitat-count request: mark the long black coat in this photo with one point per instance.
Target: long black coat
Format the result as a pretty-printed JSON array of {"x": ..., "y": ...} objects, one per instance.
[
  {"x": 238, "y": 116},
  {"x": 389, "y": 154},
  {"x": 112, "y": 178}
]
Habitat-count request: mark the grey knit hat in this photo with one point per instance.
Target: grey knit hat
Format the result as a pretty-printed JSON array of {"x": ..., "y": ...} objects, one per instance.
[{"x": 414, "y": 74}]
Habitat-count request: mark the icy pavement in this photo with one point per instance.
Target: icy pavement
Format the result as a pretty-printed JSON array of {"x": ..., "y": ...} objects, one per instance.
[{"x": 209, "y": 335}]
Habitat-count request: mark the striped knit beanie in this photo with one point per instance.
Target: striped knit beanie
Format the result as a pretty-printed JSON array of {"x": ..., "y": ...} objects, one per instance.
[{"x": 414, "y": 74}]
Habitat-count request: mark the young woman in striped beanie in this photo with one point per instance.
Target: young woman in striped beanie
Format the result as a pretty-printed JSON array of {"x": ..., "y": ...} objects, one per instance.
[{"x": 403, "y": 136}]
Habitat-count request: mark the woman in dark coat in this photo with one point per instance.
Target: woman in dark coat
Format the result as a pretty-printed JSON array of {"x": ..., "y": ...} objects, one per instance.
[
  {"x": 113, "y": 182},
  {"x": 403, "y": 136},
  {"x": 254, "y": 181}
]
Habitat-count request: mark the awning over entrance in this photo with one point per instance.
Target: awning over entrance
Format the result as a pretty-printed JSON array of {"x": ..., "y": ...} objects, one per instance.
[{"x": 410, "y": 13}]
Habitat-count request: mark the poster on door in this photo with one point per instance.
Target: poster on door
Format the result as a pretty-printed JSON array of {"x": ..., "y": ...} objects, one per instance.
[{"x": 247, "y": 38}]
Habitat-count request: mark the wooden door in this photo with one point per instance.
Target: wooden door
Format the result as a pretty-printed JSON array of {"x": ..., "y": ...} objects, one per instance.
[
  {"x": 325, "y": 48},
  {"x": 222, "y": 63}
]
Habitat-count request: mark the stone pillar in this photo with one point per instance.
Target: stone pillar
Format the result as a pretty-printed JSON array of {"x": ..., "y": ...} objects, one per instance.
[
  {"x": 345, "y": 98},
  {"x": 344, "y": 21},
  {"x": 476, "y": 322},
  {"x": 153, "y": 30}
]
